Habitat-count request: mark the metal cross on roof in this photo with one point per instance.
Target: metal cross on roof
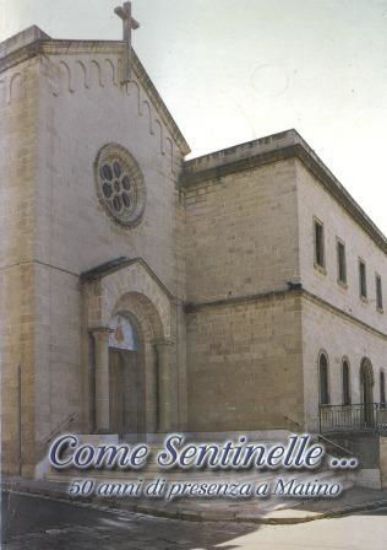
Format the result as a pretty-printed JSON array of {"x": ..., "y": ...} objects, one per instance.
[{"x": 129, "y": 24}]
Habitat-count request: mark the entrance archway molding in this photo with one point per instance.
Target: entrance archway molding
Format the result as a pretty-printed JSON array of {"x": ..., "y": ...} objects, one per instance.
[{"x": 133, "y": 289}]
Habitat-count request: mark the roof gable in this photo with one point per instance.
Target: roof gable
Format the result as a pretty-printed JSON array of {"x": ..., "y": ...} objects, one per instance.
[{"x": 33, "y": 41}]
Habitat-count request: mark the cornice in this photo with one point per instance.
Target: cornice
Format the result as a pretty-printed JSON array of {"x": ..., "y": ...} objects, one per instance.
[
  {"x": 338, "y": 191},
  {"x": 344, "y": 314},
  {"x": 204, "y": 175},
  {"x": 282, "y": 294},
  {"x": 193, "y": 307},
  {"x": 19, "y": 56},
  {"x": 99, "y": 272},
  {"x": 279, "y": 147},
  {"x": 169, "y": 121}
]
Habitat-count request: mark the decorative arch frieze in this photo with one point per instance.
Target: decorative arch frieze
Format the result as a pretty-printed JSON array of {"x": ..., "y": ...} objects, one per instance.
[
  {"x": 112, "y": 72},
  {"x": 170, "y": 152},
  {"x": 16, "y": 87},
  {"x": 160, "y": 134},
  {"x": 148, "y": 111},
  {"x": 82, "y": 73},
  {"x": 96, "y": 72},
  {"x": 74, "y": 75},
  {"x": 65, "y": 68},
  {"x": 133, "y": 87}
]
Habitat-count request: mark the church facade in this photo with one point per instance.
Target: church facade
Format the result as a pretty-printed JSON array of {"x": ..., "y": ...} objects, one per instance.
[{"x": 143, "y": 293}]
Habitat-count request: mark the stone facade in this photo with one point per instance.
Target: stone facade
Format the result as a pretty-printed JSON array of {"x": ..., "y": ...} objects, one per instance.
[
  {"x": 218, "y": 277},
  {"x": 243, "y": 357},
  {"x": 383, "y": 461},
  {"x": 244, "y": 344}
]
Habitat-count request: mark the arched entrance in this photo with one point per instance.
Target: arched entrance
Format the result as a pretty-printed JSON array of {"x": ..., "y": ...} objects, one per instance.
[
  {"x": 367, "y": 393},
  {"x": 136, "y": 389},
  {"x": 126, "y": 376}
]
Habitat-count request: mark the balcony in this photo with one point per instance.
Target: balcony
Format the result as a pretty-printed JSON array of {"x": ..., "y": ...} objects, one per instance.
[{"x": 369, "y": 417}]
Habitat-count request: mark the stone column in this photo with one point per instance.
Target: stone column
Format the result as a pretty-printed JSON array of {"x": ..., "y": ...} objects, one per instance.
[
  {"x": 165, "y": 350},
  {"x": 102, "y": 388}
]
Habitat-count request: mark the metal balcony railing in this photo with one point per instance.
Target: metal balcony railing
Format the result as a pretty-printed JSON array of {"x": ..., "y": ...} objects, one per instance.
[{"x": 369, "y": 417}]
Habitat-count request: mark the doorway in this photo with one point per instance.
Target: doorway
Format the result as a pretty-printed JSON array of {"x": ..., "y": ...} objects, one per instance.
[{"x": 126, "y": 379}]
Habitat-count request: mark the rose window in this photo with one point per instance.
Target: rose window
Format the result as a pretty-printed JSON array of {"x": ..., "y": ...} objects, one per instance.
[{"x": 120, "y": 184}]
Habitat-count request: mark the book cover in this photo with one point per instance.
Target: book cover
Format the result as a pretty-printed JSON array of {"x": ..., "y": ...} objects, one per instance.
[{"x": 193, "y": 272}]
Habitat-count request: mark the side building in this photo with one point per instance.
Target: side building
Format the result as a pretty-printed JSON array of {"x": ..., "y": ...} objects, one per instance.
[{"x": 285, "y": 272}]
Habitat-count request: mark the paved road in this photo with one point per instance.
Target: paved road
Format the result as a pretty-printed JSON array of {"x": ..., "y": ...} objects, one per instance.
[
  {"x": 36, "y": 523},
  {"x": 39, "y": 524}
]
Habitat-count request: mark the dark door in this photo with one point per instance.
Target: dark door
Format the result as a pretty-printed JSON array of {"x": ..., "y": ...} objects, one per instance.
[
  {"x": 127, "y": 395},
  {"x": 117, "y": 393}
]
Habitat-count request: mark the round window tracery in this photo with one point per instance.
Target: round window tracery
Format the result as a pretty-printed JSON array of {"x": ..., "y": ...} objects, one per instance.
[{"x": 120, "y": 184}]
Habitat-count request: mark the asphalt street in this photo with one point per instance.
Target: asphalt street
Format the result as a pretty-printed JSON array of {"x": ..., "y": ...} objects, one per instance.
[{"x": 37, "y": 523}]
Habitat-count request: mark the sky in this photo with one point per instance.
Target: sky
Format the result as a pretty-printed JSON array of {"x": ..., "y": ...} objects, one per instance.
[{"x": 235, "y": 70}]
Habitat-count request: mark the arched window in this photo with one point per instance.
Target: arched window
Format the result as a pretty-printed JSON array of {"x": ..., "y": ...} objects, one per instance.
[
  {"x": 324, "y": 380},
  {"x": 366, "y": 382},
  {"x": 346, "y": 383},
  {"x": 382, "y": 388}
]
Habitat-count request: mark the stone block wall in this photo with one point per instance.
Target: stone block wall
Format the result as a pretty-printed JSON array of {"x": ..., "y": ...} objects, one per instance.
[
  {"x": 339, "y": 336},
  {"x": 18, "y": 165},
  {"x": 79, "y": 115},
  {"x": 243, "y": 348},
  {"x": 57, "y": 112},
  {"x": 245, "y": 365},
  {"x": 315, "y": 201},
  {"x": 383, "y": 461},
  {"x": 83, "y": 108},
  {"x": 338, "y": 321},
  {"x": 242, "y": 235}
]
